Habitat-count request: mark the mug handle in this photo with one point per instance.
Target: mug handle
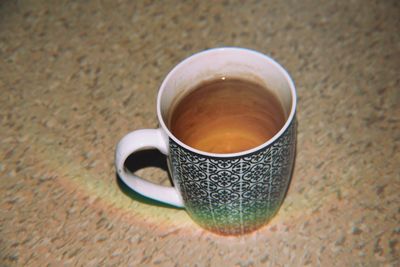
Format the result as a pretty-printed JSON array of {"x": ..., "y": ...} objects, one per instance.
[{"x": 142, "y": 140}]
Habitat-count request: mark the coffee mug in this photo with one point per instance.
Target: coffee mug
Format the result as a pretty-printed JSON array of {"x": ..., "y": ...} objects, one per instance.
[{"x": 232, "y": 193}]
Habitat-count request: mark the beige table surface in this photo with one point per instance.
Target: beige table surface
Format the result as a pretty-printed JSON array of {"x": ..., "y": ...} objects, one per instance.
[{"x": 75, "y": 76}]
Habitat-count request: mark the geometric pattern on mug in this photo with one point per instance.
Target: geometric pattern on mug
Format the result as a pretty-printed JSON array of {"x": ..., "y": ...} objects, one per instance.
[{"x": 234, "y": 195}]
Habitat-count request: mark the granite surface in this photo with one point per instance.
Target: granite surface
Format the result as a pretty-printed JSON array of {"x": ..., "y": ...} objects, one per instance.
[{"x": 75, "y": 76}]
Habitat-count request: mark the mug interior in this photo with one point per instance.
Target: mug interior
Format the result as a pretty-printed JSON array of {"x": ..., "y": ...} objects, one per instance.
[{"x": 228, "y": 62}]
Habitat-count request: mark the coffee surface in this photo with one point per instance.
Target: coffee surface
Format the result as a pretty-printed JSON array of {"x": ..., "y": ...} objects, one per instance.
[{"x": 226, "y": 116}]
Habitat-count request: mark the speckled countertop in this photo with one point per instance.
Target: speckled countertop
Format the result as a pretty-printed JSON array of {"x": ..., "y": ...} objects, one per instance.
[{"x": 75, "y": 76}]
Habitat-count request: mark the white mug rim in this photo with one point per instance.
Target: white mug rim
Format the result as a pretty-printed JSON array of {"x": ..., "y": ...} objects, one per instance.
[{"x": 241, "y": 153}]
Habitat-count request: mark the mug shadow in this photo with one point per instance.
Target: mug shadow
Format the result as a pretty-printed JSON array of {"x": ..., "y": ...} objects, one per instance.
[{"x": 140, "y": 160}]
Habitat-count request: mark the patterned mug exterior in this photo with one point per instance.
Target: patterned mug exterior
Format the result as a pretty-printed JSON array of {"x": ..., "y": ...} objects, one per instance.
[
  {"x": 228, "y": 194},
  {"x": 234, "y": 195}
]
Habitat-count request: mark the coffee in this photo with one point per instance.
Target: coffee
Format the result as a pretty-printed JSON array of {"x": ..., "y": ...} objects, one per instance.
[{"x": 226, "y": 116}]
